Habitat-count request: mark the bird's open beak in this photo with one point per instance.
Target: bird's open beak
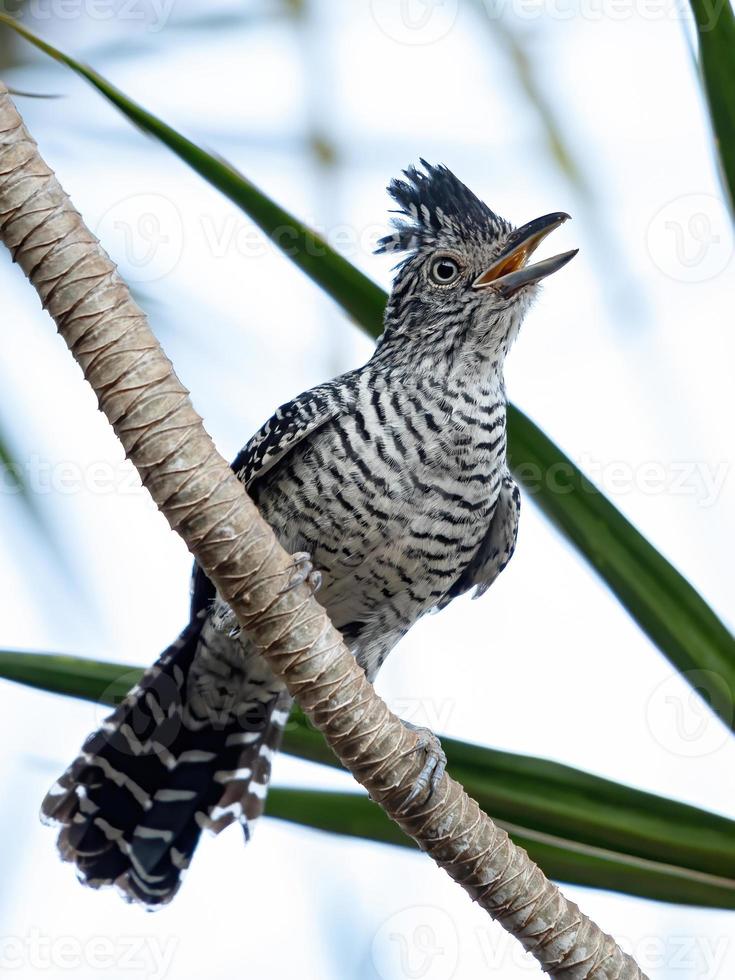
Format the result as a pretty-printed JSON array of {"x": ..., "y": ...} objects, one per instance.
[{"x": 509, "y": 271}]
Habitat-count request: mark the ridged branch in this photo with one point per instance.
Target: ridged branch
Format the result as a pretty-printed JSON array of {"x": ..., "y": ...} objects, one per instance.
[{"x": 195, "y": 489}]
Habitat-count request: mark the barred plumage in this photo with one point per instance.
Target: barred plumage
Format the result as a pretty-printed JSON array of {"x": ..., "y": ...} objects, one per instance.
[{"x": 393, "y": 478}]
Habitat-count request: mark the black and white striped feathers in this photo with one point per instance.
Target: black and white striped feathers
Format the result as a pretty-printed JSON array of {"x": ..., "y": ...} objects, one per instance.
[
  {"x": 435, "y": 206},
  {"x": 189, "y": 749},
  {"x": 393, "y": 477}
]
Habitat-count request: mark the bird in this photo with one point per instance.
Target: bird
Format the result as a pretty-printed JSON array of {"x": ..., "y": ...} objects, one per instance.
[{"x": 390, "y": 486}]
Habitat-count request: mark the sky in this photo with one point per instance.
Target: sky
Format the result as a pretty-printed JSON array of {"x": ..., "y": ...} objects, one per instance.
[{"x": 625, "y": 361}]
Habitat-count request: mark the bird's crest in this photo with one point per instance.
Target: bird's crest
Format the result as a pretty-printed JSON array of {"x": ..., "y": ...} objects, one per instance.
[{"x": 433, "y": 204}]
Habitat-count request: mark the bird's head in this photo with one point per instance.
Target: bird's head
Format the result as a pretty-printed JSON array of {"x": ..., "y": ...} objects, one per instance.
[{"x": 465, "y": 281}]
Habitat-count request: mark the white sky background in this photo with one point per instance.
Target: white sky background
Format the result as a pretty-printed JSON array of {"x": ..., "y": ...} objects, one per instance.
[{"x": 626, "y": 362}]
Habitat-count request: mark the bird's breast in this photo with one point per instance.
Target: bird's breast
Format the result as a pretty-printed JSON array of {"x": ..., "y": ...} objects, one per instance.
[{"x": 407, "y": 463}]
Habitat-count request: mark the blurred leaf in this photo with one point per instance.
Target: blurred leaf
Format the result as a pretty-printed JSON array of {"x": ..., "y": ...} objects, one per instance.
[
  {"x": 562, "y": 859},
  {"x": 582, "y": 828},
  {"x": 322, "y": 149},
  {"x": 534, "y": 91},
  {"x": 535, "y": 78},
  {"x": 15, "y": 483},
  {"x": 19, "y": 93},
  {"x": 660, "y": 600},
  {"x": 9, "y": 55},
  {"x": 716, "y": 30},
  {"x": 12, "y": 472},
  {"x": 355, "y": 293},
  {"x": 555, "y": 800}
]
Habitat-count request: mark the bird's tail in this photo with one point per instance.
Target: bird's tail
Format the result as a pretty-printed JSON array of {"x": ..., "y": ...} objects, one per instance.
[{"x": 133, "y": 804}]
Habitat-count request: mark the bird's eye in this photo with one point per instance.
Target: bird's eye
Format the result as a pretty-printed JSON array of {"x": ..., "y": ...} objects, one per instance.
[{"x": 444, "y": 271}]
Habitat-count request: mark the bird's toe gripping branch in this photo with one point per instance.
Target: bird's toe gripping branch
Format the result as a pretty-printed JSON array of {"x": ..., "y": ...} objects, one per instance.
[
  {"x": 303, "y": 571},
  {"x": 434, "y": 765}
]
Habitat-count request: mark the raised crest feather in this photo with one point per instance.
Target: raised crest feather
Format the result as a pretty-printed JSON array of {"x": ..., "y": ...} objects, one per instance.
[{"x": 434, "y": 203}]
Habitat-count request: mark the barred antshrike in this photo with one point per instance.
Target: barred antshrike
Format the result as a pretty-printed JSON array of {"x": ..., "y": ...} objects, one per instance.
[{"x": 391, "y": 487}]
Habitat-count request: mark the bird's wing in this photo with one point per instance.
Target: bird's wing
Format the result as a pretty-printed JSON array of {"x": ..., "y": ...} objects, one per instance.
[
  {"x": 286, "y": 428},
  {"x": 496, "y": 548}
]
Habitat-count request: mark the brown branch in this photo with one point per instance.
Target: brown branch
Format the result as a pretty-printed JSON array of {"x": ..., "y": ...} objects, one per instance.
[{"x": 194, "y": 487}]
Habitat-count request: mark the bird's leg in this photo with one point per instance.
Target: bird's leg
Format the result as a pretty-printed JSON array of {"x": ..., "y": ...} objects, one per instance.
[
  {"x": 434, "y": 766},
  {"x": 303, "y": 571},
  {"x": 224, "y": 620}
]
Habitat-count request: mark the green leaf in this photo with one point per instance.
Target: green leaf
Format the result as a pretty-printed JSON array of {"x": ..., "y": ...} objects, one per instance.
[
  {"x": 354, "y": 292},
  {"x": 716, "y": 30},
  {"x": 354, "y": 815},
  {"x": 78, "y": 677},
  {"x": 656, "y": 595},
  {"x": 660, "y": 600},
  {"x": 518, "y": 46},
  {"x": 580, "y": 827}
]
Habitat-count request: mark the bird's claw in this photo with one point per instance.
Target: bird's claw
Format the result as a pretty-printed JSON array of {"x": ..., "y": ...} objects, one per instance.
[
  {"x": 433, "y": 770},
  {"x": 303, "y": 571}
]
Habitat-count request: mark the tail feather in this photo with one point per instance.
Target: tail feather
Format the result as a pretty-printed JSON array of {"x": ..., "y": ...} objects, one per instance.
[{"x": 133, "y": 805}]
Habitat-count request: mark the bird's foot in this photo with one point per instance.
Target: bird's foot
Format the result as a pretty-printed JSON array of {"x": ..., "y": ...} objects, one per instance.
[
  {"x": 434, "y": 764},
  {"x": 303, "y": 571},
  {"x": 224, "y": 620}
]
